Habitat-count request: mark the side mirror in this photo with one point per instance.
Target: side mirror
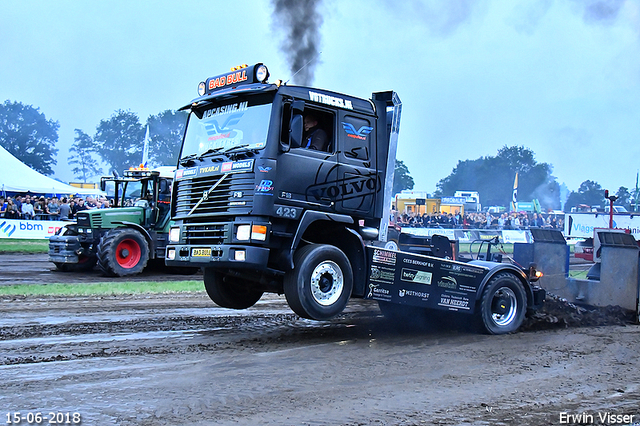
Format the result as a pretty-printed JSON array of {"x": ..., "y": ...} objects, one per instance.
[
  {"x": 103, "y": 185},
  {"x": 294, "y": 110}
]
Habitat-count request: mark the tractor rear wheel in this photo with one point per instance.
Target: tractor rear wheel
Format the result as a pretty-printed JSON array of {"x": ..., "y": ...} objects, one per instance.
[{"x": 123, "y": 252}]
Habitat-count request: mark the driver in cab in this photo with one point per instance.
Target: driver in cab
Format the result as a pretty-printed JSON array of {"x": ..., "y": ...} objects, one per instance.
[{"x": 314, "y": 136}]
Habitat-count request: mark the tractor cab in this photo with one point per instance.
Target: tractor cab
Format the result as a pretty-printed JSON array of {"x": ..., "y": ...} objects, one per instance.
[{"x": 145, "y": 192}]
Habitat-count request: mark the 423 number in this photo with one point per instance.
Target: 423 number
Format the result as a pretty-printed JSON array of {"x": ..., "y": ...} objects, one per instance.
[{"x": 288, "y": 212}]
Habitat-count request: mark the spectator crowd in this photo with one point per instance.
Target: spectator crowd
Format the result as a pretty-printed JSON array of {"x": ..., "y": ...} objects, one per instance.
[
  {"x": 30, "y": 207},
  {"x": 52, "y": 208},
  {"x": 478, "y": 220}
]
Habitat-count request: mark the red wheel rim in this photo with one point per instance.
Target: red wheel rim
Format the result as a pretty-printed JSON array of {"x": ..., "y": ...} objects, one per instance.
[{"x": 128, "y": 253}]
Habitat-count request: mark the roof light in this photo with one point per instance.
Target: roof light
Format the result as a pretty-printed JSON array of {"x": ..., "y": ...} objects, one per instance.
[
  {"x": 262, "y": 73},
  {"x": 240, "y": 75}
]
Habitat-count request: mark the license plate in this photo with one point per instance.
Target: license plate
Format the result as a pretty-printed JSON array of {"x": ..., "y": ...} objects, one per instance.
[{"x": 201, "y": 252}]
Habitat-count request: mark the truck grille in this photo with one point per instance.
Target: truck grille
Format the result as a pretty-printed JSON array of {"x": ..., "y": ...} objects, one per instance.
[
  {"x": 206, "y": 233},
  {"x": 234, "y": 195}
]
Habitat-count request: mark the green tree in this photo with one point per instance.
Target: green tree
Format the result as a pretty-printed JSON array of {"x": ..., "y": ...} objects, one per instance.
[
  {"x": 493, "y": 178},
  {"x": 401, "y": 178},
  {"x": 81, "y": 156},
  {"x": 119, "y": 140},
  {"x": 589, "y": 193},
  {"x": 624, "y": 197},
  {"x": 27, "y": 134},
  {"x": 165, "y": 131}
]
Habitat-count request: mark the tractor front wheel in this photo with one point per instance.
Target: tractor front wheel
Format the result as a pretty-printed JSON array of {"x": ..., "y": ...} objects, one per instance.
[{"x": 85, "y": 263}]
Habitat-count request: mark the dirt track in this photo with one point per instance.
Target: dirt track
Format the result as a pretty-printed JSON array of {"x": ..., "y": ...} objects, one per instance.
[
  {"x": 177, "y": 359},
  {"x": 36, "y": 268}
]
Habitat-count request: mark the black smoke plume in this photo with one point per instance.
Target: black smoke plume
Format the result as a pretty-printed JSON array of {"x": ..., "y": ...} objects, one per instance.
[
  {"x": 602, "y": 11},
  {"x": 300, "y": 22}
]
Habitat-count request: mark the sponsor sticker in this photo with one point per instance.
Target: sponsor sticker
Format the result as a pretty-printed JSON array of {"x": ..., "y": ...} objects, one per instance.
[{"x": 411, "y": 275}]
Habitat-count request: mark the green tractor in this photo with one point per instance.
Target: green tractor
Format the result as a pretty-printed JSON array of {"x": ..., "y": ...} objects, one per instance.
[{"x": 121, "y": 239}]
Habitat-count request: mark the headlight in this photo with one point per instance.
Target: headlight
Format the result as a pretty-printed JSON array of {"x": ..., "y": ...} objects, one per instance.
[
  {"x": 243, "y": 232},
  {"x": 174, "y": 235},
  {"x": 201, "y": 88}
]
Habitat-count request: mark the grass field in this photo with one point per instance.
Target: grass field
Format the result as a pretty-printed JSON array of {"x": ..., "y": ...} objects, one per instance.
[
  {"x": 9, "y": 245},
  {"x": 101, "y": 289}
]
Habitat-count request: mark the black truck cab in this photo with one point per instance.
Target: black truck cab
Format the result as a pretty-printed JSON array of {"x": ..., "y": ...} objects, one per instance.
[{"x": 249, "y": 193}]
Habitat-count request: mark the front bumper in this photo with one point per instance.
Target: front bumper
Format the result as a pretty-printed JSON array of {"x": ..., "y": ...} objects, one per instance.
[
  {"x": 219, "y": 256},
  {"x": 64, "y": 248}
]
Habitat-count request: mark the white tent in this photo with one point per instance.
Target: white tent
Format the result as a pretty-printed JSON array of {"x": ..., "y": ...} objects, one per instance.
[{"x": 15, "y": 176}]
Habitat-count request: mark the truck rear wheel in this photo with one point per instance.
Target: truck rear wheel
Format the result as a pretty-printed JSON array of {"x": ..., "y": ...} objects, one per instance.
[
  {"x": 123, "y": 252},
  {"x": 503, "y": 305},
  {"x": 319, "y": 286},
  {"x": 228, "y": 291}
]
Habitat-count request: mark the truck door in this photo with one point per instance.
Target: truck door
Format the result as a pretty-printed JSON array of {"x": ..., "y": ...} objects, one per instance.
[
  {"x": 306, "y": 175},
  {"x": 357, "y": 171}
]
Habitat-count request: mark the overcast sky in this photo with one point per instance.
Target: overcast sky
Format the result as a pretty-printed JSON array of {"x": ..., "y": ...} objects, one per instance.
[{"x": 560, "y": 77}]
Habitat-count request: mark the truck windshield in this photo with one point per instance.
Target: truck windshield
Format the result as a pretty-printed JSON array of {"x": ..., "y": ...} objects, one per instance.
[{"x": 223, "y": 126}]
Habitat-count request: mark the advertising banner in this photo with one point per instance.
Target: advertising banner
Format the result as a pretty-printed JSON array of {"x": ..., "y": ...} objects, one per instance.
[
  {"x": 509, "y": 237},
  {"x": 29, "y": 229},
  {"x": 428, "y": 232},
  {"x": 581, "y": 225},
  {"x": 473, "y": 235}
]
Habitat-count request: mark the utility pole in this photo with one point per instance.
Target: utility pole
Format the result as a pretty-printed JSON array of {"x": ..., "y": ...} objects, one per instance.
[{"x": 611, "y": 199}]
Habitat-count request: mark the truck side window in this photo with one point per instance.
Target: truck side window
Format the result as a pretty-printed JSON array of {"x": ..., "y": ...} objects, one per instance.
[
  {"x": 358, "y": 132},
  {"x": 318, "y": 130}
]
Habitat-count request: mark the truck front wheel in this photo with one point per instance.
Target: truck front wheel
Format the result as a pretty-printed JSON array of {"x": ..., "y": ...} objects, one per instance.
[
  {"x": 320, "y": 284},
  {"x": 229, "y": 292},
  {"x": 123, "y": 252},
  {"x": 503, "y": 305}
]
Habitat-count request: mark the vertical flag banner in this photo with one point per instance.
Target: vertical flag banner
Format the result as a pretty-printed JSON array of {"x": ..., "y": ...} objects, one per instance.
[
  {"x": 145, "y": 150},
  {"x": 635, "y": 198},
  {"x": 514, "y": 197}
]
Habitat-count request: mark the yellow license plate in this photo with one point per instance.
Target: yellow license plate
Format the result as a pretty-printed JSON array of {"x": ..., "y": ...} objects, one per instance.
[{"x": 201, "y": 252}]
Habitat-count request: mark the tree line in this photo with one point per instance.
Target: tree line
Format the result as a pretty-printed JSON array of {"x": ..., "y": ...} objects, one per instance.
[
  {"x": 119, "y": 141},
  {"x": 494, "y": 176}
]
